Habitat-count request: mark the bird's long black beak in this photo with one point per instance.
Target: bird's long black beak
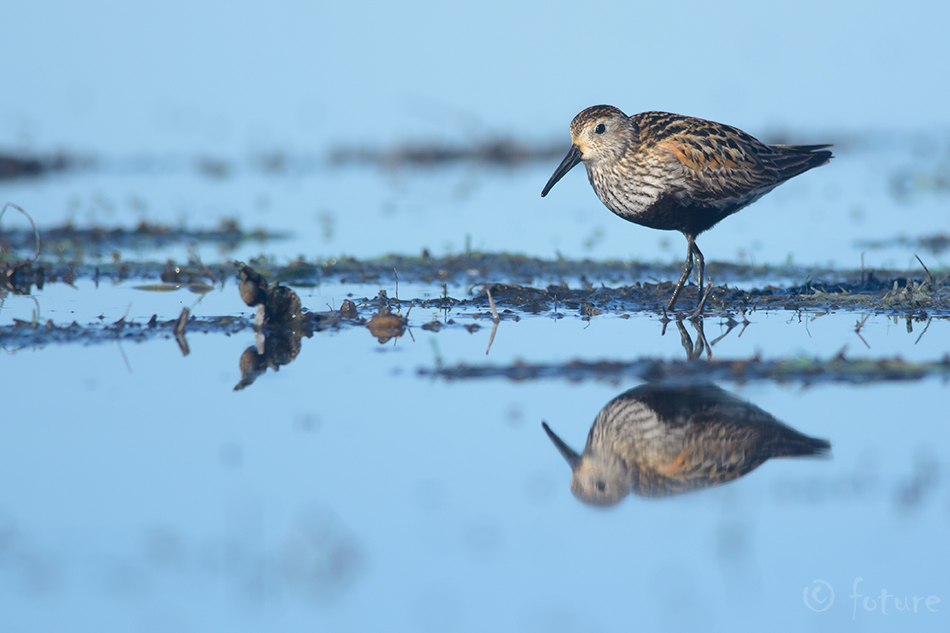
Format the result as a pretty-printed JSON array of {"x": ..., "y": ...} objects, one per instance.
[
  {"x": 572, "y": 457},
  {"x": 573, "y": 157}
]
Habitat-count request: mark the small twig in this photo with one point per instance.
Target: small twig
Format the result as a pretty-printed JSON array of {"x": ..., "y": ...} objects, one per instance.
[
  {"x": 396, "y": 275},
  {"x": 745, "y": 324},
  {"x": 214, "y": 278},
  {"x": 36, "y": 233},
  {"x": 494, "y": 311},
  {"x": 730, "y": 326},
  {"x": 121, "y": 322},
  {"x": 179, "y": 331},
  {"x": 924, "y": 332},
  {"x": 182, "y": 322},
  {"x": 857, "y": 329},
  {"x": 929, "y": 276},
  {"x": 491, "y": 339},
  {"x": 860, "y": 324},
  {"x": 862, "y": 339},
  {"x": 124, "y": 357}
]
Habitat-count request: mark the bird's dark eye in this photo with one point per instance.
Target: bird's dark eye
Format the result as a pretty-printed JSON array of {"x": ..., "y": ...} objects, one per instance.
[
  {"x": 601, "y": 128},
  {"x": 601, "y": 485}
]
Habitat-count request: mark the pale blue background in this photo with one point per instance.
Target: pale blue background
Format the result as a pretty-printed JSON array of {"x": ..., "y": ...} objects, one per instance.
[
  {"x": 174, "y": 83},
  {"x": 123, "y": 77},
  {"x": 138, "y": 492}
]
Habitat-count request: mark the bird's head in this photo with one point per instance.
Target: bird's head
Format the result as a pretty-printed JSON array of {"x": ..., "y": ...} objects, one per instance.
[
  {"x": 600, "y": 134},
  {"x": 594, "y": 481}
]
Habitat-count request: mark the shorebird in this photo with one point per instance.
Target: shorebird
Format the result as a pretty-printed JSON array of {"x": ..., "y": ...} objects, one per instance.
[
  {"x": 677, "y": 173},
  {"x": 657, "y": 440}
]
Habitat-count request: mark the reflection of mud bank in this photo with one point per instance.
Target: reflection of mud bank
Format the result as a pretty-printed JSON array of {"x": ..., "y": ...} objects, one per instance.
[
  {"x": 23, "y": 334},
  {"x": 799, "y": 370},
  {"x": 279, "y": 349}
]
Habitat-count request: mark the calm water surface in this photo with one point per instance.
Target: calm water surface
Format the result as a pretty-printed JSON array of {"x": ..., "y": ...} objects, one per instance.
[{"x": 348, "y": 491}]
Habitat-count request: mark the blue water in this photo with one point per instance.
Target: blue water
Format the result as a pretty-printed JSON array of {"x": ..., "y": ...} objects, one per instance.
[{"x": 346, "y": 492}]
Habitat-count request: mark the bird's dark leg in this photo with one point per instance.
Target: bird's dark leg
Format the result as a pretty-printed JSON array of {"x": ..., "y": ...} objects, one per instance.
[
  {"x": 701, "y": 265},
  {"x": 687, "y": 269},
  {"x": 703, "y": 291}
]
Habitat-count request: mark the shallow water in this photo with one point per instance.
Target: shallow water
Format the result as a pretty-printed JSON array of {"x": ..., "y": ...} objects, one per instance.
[
  {"x": 143, "y": 491},
  {"x": 408, "y": 484},
  {"x": 142, "y": 488}
]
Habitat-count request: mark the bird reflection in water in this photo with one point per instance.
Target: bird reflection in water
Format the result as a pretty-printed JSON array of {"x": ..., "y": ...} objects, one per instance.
[
  {"x": 694, "y": 351},
  {"x": 659, "y": 440}
]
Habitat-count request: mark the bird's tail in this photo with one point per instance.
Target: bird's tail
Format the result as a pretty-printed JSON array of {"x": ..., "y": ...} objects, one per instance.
[
  {"x": 796, "y": 159},
  {"x": 794, "y": 444}
]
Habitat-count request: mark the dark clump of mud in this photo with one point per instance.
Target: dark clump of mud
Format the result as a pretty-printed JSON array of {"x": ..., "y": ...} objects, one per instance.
[
  {"x": 278, "y": 306},
  {"x": 280, "y": 324}
]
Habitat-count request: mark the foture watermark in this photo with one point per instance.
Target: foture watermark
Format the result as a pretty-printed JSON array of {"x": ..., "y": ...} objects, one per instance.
[{"x": 821, "y": 595}]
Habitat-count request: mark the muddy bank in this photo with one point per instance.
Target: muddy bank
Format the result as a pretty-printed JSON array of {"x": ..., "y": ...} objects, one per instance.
[
  {"x": 528, "y": 285},
  {"x": 15, "y": 165},
  {"x": 70, "y": 243},
  {"x": 500, "y": 151}
]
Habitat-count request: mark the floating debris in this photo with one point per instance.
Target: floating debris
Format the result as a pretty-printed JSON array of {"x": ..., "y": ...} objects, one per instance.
[
  {"x": 348, "y": 310},
  {"x": 386, "y": 325}
]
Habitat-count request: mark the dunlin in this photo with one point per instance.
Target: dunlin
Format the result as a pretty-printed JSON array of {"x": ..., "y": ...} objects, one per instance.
[
  {"x": 678, "y": 173},
  {"x": 657, "y": 440}
]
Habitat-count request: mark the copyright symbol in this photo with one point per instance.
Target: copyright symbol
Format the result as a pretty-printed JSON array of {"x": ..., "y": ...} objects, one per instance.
[{"x": 814, "y": 597}]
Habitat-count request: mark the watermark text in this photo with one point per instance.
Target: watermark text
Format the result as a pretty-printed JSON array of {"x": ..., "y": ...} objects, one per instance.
[{"x": 821, "y": 595}]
